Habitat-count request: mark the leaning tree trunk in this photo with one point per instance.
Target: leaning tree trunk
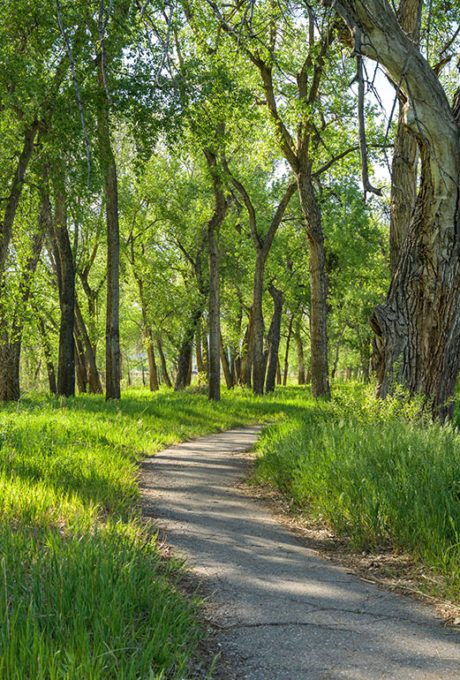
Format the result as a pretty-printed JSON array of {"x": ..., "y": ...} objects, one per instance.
[{"x": 419, "y": 324}]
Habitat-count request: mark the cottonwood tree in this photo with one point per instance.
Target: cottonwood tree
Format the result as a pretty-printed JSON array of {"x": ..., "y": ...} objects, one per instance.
[
  {"x": 419, "y": 324},
  {"x": 295, "y": 57}
]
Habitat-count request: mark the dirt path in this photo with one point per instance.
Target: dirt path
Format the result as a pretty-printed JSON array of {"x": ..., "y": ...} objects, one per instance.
[{"x": 283, "y": 612}]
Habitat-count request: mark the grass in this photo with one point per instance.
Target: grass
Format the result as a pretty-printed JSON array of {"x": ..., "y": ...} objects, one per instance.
[
  {"x": 84, "y": 593},
  {"x": 374, "y": 474}
]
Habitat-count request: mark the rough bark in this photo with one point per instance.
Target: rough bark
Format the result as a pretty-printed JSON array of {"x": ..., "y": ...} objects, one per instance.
[
  {"x": 274, "y": 339},
  {"x": 419, "y": 324},
  {"x": 405, "y": 153}
]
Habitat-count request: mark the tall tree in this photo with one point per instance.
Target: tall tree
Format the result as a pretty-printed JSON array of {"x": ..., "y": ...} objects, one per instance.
[{"x": 419, "y": 324}]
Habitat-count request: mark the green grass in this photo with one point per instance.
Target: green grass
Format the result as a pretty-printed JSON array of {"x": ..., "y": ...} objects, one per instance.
[
  {"x": 374, "y": 474},
  {"x": 84, "y": 593}
]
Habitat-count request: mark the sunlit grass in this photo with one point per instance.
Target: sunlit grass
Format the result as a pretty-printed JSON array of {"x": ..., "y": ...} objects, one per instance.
[
  {"x": 376, "y": 474},
  {"x": 84, "y": 593}
]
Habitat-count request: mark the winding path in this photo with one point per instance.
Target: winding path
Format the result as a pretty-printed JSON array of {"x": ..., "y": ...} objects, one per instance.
[{"x": 283, "y": 612}]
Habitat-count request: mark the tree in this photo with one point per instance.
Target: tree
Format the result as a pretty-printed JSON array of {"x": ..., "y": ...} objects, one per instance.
[{"x": 419, "y": 324}]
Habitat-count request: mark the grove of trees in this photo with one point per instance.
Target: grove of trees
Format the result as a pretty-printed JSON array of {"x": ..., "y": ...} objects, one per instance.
[{"x": 247, "y": 188}]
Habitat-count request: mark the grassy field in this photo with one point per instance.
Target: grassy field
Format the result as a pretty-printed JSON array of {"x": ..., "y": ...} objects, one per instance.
[
  {"x": 376, "y": 474},
  {"x": 84, "y": 594}
]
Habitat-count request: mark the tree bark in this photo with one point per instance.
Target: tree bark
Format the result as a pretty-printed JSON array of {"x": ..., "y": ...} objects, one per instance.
[
  {"x": 225, "y": 365},
  {"x": 419, "y": 324},
  {"x": 94, "y": 380},
  {"x": 405, "y": 154},
  {"x": 186, "y": 347},
  {"x": 318, "y": 285},
  {"x": 220, "y": 209},
  {"x": 274, "y": 339},
  {"x": 214, "y": 316},
  {"x": 164, "y": 368},
  {"x": 47, "y": 352},
  {"x": 286, "y": 356},
  {"x": 112, "y": 328},
  {"x": 300, "y": 355}
]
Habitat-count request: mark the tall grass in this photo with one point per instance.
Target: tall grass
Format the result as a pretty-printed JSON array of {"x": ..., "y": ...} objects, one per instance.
[
  {"x": 84, "y": 594},
  {"x": 375, "y": 474}
]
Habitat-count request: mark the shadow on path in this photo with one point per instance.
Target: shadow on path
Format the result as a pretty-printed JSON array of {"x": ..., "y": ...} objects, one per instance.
[{"x": 284, "y": 612}]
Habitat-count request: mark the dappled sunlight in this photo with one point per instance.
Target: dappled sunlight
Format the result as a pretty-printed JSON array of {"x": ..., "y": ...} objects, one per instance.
[{"x": 325, "y": 619}]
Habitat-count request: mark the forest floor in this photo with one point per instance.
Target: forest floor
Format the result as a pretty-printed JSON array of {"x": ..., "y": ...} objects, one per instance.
[{"x": 276, "y": 608}]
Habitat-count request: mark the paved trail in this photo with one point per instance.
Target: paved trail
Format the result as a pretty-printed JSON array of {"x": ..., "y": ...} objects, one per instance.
[{"x": 285, "y": 613}]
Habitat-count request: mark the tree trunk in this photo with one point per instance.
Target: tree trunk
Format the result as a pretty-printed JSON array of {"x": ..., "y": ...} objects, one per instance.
[
  {"x": 278, "y": 372},
  {"x": 300, "y": 355},
  {"x": 225, "y": 364},
  {"x": 274, "y": 339},
  {"x": 109, "y": 168},
  {"x": 220, "y": 208},
  {"x": 6, "y": 225},
  {"x": 94, "y": 380},
  {"x": 286, "y": 356},
  {"x": 246, "y": 356},
  {"x": 47, "y": 352},
  {"x": 337, "y": 351},
  {"x": 214, "y": 317},
  {"x": 185, "y": 351},
  {"x": 405, "y": 153},
  {"x": 199, "y": 353},
  {"x": 257, "y": 335},
  {"x": 80, "y": 364},
  {"x": 318, "y": 287},
  {"x": 419, "y": 324},
  {"x": 153, "y": 371},
  {"x": 164, "y": 368},
  {"x": 66, "y": 277}
]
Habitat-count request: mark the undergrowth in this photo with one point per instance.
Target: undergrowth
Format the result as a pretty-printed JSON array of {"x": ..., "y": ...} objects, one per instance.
[{"x": 376, "y": 473}]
